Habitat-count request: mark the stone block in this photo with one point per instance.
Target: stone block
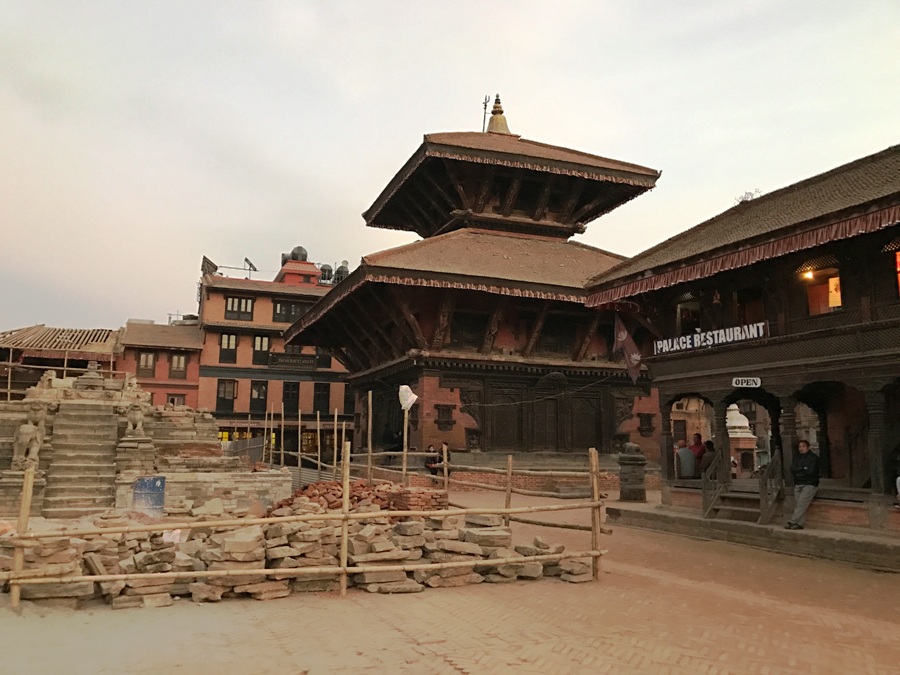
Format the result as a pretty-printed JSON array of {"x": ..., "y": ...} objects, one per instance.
[
  {"x": 409, "y": 528},
  {"x": 144, "y": 559},
  {"x": 576, "y": 578},
  {"x": 531, "y": 570},
  {"x": 247, "y": 556},
  {"x": 243, "y": 540},
  {"x": 261, "y": 587},
  {"x": 317, "y": 586},
  {"x": 201, "y": 592},
  {"x": 498, "y": 579},
  {"x": 487, "y": 536},
  {"x": 575, "y": 567},
  {"x": 378, "y": 577},
  {"x": 484, "y": 520},
  {"x": 157, "y": 600},
  {"x": 80, "y": 589},
  {"x": 405, "y": 586},
  {"x": 127, "y": 602},
  {"x": 381, "y": 546},
  {"x": 453, "y": 582},
  {"x": 272, "y": 595},
  {"x": 407, "y": 543},
  {"x": 458, "y": 547}
]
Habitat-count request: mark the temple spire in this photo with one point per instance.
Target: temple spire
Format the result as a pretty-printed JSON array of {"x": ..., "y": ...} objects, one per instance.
[{"x": 497, "y": 123}]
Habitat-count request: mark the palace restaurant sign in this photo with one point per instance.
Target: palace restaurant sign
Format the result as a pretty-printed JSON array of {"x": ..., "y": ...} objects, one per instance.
[{"x": 711, "y": 338}]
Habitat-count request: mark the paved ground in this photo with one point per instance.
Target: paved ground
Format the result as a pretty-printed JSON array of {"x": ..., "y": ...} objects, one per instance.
[{"x": 665, "y": 604}]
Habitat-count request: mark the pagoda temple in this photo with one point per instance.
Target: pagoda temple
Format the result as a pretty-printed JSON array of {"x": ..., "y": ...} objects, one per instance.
[{"x": 484, "y": 317}]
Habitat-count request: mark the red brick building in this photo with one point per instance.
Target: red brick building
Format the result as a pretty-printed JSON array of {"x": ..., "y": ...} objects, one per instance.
[
  {"x": 165, "y": 359},
  {"x": 246, "y": 369}
]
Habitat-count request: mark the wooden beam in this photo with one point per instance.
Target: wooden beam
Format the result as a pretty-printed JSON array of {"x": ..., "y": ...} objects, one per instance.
[
  {"x": 586, "y": 341},
  {"x": 466, "y": 200},
  {"x": 427, "y": 195},
  {"x": 421, "y": 230},
  {"x": 536, "y": 330},
  {"x": 440, "y": 190},
  {"x": 391, "y": 311},
  {"x": 493, "y": 325},
  {"x": 428, "y": 217},
  {"x": 509, "y": 199},
  {"x": 350, "y": 337},
  {"x": 371, "y": 319},
  {"x": 487, "y": 180},
  {"x": 590, "y": 206},
  {"x": 544, "y": 199},
  {"x": 406, "y": 312},
  {"x": 448, "y": 300},
  {"x": 358, "y": 329},
  {"x": 337, "y": 346},
  {"x": 571, "y": 200}
]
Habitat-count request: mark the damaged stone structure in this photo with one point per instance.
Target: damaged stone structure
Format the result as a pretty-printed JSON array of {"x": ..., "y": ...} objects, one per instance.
[{"x": 91, "y": 436}]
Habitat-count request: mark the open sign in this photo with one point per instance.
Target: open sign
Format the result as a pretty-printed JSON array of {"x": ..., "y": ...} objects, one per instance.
[{"x": 746, "y": 382}]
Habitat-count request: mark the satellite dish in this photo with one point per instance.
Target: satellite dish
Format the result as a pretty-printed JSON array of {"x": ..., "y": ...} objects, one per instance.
[{"x": 407, "y": 397}]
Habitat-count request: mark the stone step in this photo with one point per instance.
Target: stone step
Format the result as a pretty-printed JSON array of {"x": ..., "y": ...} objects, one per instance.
[
  {"x": 68, "y": 513},
  {"x": 81, "y": 421},
  {"x": 67, "y": 456},
  {"x": 106, "y": 475},
  {"x": 79, "y": 493},
  {"x": 78, "y": 502},
  {"x": 86, "y": 434}
]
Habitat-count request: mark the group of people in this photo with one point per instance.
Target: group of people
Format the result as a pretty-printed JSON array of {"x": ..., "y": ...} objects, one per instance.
[
  {"x": 434, "y": 460},
  {"x": 693, "y": 460}
]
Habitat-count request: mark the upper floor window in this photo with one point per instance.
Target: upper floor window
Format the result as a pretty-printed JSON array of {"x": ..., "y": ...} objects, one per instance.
[
  {"x": 321, "y": 397},
  {"x": 687, "y": 317},
  {"x": 240, "y": 309},
  {"x": 261, "y": 350},
  {"x": 178, "y": 366},
  {"x": 146, "y": 364},
  {"x": 557, "y": 336},
  {"x": 749, "y": 307},
  {"x": 228, "y": 348},
  {"x": 323, "y": 358},
  {"x": 296, "y": 350},
  {"x": 287, "y": 312},
  {"x": 823, "y": 290},
  {"x": 467, "y": 330}
]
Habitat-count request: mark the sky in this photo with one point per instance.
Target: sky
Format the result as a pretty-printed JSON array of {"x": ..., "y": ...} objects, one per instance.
[{"x": 137, "y": 137}]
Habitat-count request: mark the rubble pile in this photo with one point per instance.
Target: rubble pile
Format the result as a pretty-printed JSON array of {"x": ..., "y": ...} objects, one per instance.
[
  {"x": 377, "y": 542},
  {"x": 387, "y": 496}
]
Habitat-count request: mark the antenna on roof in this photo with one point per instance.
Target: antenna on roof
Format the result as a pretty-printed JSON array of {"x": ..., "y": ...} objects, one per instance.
[
  {"x": 250, "y": 266},
  {"x": 487, "y": 101}
]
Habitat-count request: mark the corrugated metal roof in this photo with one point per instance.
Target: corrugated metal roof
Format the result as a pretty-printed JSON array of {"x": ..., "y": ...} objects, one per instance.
[{"x": 45, "y": 338}]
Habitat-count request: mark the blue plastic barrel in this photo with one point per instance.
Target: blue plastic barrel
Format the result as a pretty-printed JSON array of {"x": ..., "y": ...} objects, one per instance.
[{"x": 149, "y": 495}]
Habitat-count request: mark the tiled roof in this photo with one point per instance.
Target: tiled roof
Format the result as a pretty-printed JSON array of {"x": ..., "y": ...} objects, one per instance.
[
  {"x": 522, "y": 147},
  {"x": 850, "y": 185},
  {"x": 499, "y": 256},
  {"x": 138, "y": 334},
  {"x": 262, "y": 287},
  {"x": 245, "y": 326},
  {"x": 45, "y": 338}
]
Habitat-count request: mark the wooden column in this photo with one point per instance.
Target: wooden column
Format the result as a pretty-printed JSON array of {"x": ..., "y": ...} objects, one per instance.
[
  {"x": 788, "y": 431},
  {"x": 824, "y": 444},
  {"x": 724, "y": 442},
  {"x": 536, "y": 330},
  {"x": 509, "y": 480},
  {"x": 442, "y": 327},
  {"x": 345, "y": 509},
  {"x": 369, "y": 439},
  {"x": 666, "y": 449},
  {"x": 318, "y": 446},
  {"x": 334, "y": 447},
  {"x": 878, "y": 450},
  {"x": 15, "y": 589},
  {"x": 405, "y": 443},
  {"x": 596, "y": 511}
]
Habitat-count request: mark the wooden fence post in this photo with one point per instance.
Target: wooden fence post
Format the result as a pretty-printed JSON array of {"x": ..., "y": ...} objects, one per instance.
[
  {"x": 595, "y": 511},
  {"x": 369, "y": 443},
  {"x": 509, "y": 479},
  {"x": 405, "y": 444},
  {"x": 15, "y": 589},
  {"x": 334, "y": 447},
  {"x": 446, "y": 463},
  {"x": 282, "y": 434},
  {"x": 319, "y": 446},
  {"x": 345, "y": 509}
]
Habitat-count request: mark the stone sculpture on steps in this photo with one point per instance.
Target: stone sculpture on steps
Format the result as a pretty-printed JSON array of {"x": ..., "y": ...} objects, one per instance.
[{"x": 29, "y": 437}]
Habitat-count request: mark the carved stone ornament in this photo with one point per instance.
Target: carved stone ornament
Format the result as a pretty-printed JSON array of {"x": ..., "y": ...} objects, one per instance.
[
  {"x": 135, "y": 417},
  {"x": 471, "y": 403},
  {"x": 623, "y": 410}
]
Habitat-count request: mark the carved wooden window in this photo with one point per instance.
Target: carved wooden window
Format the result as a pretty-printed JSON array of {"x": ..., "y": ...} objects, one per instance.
[
  {"x": 228, "y": 343},
  {"x": 260, "y": 350},
  {"x": 444, "y": 416},
  {"x": 467, "y": 330},
  {"x": 687, "y": 317},
  {"x": 557, "y": 336},
  {"x": 323, "y": 358},
  {"x": 146, "y": 364},
  {"x": 823, "y": 290},
  {"x": 178, "y": 366},
  {"x": 239, "y": 309},
  {"x": 175, "y": 399},
  {"x": 296, "y": 350}
]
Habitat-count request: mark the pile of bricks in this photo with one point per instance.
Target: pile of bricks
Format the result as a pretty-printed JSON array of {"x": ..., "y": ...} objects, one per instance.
[{"x": 387, "y": 496}]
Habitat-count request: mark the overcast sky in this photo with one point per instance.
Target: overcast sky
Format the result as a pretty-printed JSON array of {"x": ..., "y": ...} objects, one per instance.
[{"x": 136, "y": 137}]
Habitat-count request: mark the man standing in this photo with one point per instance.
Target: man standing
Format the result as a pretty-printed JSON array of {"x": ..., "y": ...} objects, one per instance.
[
  {"x": 805, "y": 470},
  {"x": 697, "y": 449}
]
